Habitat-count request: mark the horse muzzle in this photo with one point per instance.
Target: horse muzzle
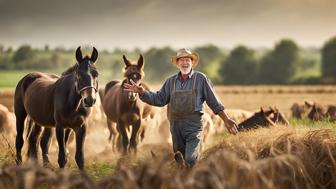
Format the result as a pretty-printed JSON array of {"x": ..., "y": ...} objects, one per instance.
[
  {"x": 89, "y": 96},
  {"x": 89, "y": 101}
]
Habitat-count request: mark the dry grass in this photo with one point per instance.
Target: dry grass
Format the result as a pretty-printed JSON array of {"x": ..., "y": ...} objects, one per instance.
[{"x": 287, "y": 158}]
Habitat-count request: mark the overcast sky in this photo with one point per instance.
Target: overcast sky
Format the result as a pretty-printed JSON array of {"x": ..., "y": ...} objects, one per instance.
[{"x": 177, "y": 23}]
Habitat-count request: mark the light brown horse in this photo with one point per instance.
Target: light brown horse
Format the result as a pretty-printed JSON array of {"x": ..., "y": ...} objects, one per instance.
[
  {"x": 125, "y": 108},
  {"x": 7, "y": 122},
  {"x": 57, "y": 102}
]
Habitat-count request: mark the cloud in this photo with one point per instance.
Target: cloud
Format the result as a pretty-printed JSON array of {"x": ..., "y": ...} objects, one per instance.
[{"x": 145, "y": 23}]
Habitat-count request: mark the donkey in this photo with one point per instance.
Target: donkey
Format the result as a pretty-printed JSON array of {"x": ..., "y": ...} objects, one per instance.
[
  {"x": 57, "y": 102},
  {"x": 125, "y": 108}
]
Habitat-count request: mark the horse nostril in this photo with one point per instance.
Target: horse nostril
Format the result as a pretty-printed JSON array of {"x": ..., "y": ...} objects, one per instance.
[
  {"x": 89, "y": 101},
  {"x": 85, "y": 101}
]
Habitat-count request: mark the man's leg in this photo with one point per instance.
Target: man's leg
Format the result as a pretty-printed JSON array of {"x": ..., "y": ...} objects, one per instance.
[
  {"x": 177, "y": 138},
  {"x": 193, "y": 133}
]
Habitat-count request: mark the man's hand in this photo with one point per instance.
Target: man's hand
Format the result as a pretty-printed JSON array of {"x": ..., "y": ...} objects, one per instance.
[
  {"x": 134, "y": 87},
  {"x": 230, "y": 124}
]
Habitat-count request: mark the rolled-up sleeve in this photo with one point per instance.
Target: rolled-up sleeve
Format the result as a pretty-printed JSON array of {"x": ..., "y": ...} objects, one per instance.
[
  {"x": 159, "y": 98},
  {"x": 211, "y": 98}
]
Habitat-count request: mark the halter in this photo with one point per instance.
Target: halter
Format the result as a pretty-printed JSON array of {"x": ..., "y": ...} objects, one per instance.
[{"x": 79, "y": 91}]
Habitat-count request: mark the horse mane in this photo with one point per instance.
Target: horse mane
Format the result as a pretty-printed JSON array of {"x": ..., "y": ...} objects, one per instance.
[
  {"x": 70, "y": 70},
  {"x": 74, "y": 67}
]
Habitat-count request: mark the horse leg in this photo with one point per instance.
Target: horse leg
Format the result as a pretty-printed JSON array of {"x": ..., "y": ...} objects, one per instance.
[
  {"x": 33, "y": 137},
  {"x": 134, "y": 135},
  {"x": 20, "y": 116},
  {"x": 112, "y": 130},
  {"x": 62, "y": 160},
  {"x": 142, "y": 133},
  {"x": 45, "y": 144},
  {"x": 66, "y": 141},
  {"x": 122, "y": 130},
  {"x": 80, "y": 137}
]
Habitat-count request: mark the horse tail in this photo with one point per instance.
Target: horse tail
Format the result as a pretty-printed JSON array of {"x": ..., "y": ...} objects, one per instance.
[{"x": 110, "y": 85}]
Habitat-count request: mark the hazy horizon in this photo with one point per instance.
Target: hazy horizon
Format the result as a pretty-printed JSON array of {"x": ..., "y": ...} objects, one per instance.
[{"x": 143, "y": 24}]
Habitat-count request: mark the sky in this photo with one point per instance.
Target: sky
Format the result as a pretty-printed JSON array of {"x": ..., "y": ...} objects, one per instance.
[{"x": 129, "y": 24}]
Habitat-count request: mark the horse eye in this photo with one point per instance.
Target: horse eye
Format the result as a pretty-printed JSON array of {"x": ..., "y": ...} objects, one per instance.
[{"x": 134, "y": 76}]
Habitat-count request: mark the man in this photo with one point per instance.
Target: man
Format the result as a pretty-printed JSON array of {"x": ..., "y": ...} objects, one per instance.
[{"x": 185, "y": 93}]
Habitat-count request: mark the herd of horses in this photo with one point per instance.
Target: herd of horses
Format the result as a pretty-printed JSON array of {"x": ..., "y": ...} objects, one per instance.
[
  {"x": 45, "y": 103},
  {"x": 314, "y": 111}
]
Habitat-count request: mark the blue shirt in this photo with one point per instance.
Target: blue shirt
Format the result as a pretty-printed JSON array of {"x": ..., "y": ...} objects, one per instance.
[{"x": 203, "y": 88}]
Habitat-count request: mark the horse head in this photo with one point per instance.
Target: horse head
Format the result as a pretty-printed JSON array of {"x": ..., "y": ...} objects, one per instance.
[
  {"x": 134, "y": 72},
  {"x": 279, "y": 117},
  {"x": 86, "y": 77}
]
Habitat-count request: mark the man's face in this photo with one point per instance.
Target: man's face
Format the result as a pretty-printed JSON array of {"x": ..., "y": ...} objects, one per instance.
[{"x": 184, "y": 64}]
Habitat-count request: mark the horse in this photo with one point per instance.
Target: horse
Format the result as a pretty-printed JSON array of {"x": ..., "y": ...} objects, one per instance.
[
  {"x": 278, "y": 117},
  {"x": 260, "y": 118},
  {"x": 331, "y": 113},
  {"x": 317, "y": 112},
  {"x": 56, "y": 102},
  {"x": 7, "y": 122},
  {"x": 125, "y": 108}
]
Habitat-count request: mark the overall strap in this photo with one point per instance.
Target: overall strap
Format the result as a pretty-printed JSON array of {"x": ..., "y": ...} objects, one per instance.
[
  {"x": 174, "y": 83},
  {"x": 194, "y": 81}
]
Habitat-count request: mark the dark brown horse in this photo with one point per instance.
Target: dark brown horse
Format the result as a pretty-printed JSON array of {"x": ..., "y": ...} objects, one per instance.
[
  {"x": 125, "y": 108},
  {"x": 260, "y": 118},
  {"x": 317, "y": 112},
  {"x": 57, "y": 102},
  {"x": 331, "y": 113}
]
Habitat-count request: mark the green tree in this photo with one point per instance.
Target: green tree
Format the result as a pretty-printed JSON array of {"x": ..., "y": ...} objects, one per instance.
[
  {"x": 239, "y": 67},
  {"x": 278, "y": 66},
  {"x": 158, "y": 64},
  {"x": 210, "y": 58},
  {"x": 329, "y": 59},
  {"x": 23, "y": 57}
]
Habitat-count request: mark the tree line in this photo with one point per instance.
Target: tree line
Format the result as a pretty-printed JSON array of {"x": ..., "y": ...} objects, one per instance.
[{"x": 285, "y": 63}]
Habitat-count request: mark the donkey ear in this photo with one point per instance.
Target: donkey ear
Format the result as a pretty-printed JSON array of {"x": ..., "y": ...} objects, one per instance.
[
  {"x": 140, "y": 62},
  {"x": 79, "y": 56},
  {"x": 94, "y": 55},
  {"x": 127, "y": 63}
]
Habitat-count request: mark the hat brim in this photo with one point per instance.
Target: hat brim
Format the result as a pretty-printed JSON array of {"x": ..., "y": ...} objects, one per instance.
[{"x": 194, "y": 57}]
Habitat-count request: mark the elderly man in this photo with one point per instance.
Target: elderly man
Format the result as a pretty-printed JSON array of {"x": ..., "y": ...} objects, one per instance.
[{"x": 185, "y": 93}]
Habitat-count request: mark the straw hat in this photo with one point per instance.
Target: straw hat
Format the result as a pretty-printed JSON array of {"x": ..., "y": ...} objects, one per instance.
[{"x": 186, "y": 53}]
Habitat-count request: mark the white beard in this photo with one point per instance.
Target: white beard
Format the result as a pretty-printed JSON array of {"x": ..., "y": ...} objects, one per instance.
[{"x": 185, "y": 70}]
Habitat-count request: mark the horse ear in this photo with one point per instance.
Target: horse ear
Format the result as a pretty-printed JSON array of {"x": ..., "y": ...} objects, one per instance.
[
  {"x": 94, "y": 55},
  {"x": 261, "y": 110},
  {"x": 140, "y": 62},
  {"x": 127, "y": 62},
  {"x": 79, "y": 56}
]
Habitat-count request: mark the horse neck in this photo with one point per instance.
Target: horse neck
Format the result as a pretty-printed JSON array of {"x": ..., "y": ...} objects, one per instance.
[
  {"x": 255, "y": 119},
  {"x": 73, "y": 98}
]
